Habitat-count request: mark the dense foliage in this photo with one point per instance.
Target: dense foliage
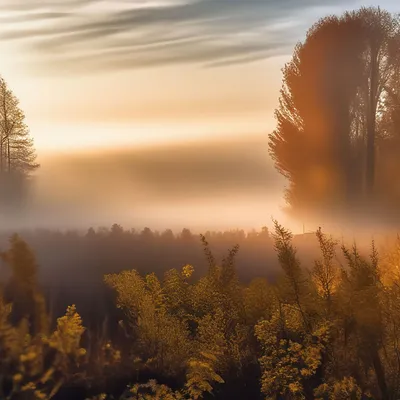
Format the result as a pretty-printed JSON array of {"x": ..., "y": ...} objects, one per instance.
[
  {"x": 63, "y": 255},
  {"x": 337, "y": 131},
  {"x": 327, "y": 330}
]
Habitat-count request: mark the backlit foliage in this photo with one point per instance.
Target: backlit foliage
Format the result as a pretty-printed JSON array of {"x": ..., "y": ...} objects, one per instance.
[
  {"x": 35, "y": 367},
  {"x": 327, "y": 331},
  {"x": 347, "y": 389},
  {"x": 290, "y": 356},
  {"x": 337, "y": 136}
]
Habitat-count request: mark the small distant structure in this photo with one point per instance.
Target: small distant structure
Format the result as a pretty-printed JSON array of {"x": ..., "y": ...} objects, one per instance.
[{"x": 307, "y": 232}]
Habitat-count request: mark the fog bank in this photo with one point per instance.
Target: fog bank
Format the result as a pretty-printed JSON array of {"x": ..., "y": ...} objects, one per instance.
[{"x": 201, "y": 185}]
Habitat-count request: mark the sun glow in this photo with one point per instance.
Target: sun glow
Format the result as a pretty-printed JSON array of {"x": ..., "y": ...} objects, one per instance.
[{"x": 92, "y": 137}]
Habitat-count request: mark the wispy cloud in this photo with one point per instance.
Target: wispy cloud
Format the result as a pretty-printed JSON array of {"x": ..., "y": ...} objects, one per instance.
[{"x": 135, "y": 33}]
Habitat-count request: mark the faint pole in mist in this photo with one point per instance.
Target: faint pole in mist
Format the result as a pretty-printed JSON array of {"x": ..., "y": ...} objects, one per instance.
[{"x": 2, "y": 265}]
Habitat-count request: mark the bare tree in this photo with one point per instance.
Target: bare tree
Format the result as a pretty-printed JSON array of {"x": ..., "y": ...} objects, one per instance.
[
  {"x": 381, "y": 33},
  {"x": 17, "y": 152}
]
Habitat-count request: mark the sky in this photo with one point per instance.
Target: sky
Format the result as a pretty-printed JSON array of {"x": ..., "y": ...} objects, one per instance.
[{"x": 179, "y": 94}]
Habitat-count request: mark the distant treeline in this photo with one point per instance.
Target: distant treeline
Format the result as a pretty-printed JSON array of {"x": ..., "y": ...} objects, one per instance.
[{"x": 73, "y": 263}]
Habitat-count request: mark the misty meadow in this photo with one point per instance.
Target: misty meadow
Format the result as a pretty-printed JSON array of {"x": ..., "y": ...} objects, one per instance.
[{"x": 132, "y": 272}]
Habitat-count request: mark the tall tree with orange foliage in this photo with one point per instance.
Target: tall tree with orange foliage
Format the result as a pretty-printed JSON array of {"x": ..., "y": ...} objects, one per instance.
[{"x": 331, "y": 104}]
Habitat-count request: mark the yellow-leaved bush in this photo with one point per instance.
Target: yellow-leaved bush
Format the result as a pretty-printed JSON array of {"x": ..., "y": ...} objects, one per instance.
[{"x": 35, "y": 367}]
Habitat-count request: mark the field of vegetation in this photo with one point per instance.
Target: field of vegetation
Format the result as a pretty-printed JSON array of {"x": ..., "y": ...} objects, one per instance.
[{"x": 324, "y": 330}]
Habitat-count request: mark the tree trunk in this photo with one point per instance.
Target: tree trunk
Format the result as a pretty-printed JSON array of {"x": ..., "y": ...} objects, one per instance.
[
  {"x": 1, "y": 154},
  {"x": 8, "y": 156},
  {"x": 380, "y": 374},
  {"x": 371, "y": 124}
]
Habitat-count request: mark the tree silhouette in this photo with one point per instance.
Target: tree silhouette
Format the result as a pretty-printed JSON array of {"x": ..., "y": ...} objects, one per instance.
[
  {"x": 17, "y": 153},
  {"x": 331, "y": 106},
  {"x": 381, "y": 33},
  {"x": 22, "y": 288}
]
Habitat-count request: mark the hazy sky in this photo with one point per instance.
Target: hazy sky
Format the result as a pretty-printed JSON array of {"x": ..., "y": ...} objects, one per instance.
[{"x": 129, "y": 74}]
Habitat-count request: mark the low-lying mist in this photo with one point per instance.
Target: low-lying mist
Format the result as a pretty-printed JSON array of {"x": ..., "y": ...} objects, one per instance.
[{"x": 214, "y": 185}]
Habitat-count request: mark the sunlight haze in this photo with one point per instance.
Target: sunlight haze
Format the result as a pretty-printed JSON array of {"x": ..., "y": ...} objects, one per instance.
[{"x": 93, "y": 76}]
